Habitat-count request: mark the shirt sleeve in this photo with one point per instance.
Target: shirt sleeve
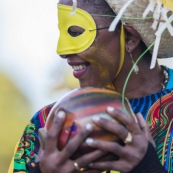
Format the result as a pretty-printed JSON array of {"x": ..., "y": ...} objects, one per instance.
[
  {"x": 150, "y": 163},
  {"x": 27, "y": 150},
  {"x": 28, "y": 146}
]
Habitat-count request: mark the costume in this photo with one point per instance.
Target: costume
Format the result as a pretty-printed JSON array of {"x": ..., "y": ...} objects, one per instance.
[
  {"x": 157, "y": 108},
  {"x": 149, "y": 106}
]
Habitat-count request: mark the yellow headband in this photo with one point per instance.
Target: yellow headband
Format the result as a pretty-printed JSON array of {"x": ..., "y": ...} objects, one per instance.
[
  {"x": 68, "y": 44},
  {"x": 122, "y": 49}
]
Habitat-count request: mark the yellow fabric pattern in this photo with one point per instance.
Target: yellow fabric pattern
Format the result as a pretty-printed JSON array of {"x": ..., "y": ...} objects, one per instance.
[
  {"x": 11, "y": 168},
  {"x": 68, "y": 44}
]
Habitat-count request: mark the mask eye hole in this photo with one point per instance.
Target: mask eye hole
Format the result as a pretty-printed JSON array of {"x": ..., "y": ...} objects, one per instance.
[{"x": 75, "y": 31}]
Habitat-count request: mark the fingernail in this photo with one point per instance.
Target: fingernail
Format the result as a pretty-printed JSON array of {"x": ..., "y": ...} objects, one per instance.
[
  {"x": 89, "y": 126},
  {"x": 110, "y": 109},
  {"x": 61, "y": 114},
  {"x": 96, "y": 118},
  {"x": 89, "y": 141},
  {"x": 139, "y": 114}
]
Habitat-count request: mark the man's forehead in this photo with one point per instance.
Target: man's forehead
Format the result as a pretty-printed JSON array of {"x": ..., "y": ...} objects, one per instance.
[
  {"x": 95, "y": 6},
  {"x": 91, "y": 6},
  {"x": 97, "y": 2}
]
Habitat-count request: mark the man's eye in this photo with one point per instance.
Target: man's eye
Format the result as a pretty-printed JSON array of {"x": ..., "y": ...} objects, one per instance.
[{"x": 75, "y": 31}]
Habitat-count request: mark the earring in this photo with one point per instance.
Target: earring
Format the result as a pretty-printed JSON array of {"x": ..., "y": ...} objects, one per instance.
[{"x": 135, "y": 66}]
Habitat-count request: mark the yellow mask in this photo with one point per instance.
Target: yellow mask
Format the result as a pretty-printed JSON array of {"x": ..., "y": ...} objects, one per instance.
[{"x": 68, "y": 44}]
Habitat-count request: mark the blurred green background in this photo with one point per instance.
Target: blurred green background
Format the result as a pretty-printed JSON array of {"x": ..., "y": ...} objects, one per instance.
[
  {"x": 16, "y": 110},
  {"x": 14, "y": 114}
]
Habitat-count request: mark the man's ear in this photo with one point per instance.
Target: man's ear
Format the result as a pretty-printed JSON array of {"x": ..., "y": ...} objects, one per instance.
[{"x": 133, "y": 38}]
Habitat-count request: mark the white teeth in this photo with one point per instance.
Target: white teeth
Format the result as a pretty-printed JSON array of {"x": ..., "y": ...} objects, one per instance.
[{"x": 78, "y": 67}]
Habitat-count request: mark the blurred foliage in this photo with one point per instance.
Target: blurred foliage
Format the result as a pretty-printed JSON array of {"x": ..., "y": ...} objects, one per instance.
[{"x": 14, "y": 115}]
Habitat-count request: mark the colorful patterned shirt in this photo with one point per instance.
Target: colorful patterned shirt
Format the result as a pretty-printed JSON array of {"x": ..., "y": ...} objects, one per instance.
[{"x": 156, "y": 108}]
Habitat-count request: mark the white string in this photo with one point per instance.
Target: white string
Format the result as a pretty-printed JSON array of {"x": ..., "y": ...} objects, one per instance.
[
  {"x": 118, "y": 17},
  {"x": 160, "y": 23},
  {"x": 74, "y": 7},
  {"x": 159, "y": 15},
  {"x": 149, "y": 8},
  {"x": 167, "y": 24},
  {"x": 155, "y": 51}
]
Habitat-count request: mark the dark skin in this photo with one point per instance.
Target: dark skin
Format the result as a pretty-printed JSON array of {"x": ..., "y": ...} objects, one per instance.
[
  {"x": 150, "y": 79},
  {"x": 54, "y": 161}
]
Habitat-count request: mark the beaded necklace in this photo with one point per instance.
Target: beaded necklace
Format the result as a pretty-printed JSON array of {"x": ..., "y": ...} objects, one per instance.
[{"x": 166, "y": 77}]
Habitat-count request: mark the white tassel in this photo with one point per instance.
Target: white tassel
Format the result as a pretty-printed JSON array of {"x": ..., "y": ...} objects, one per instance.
[
  {"x": 157, "y": 15},
  {"x": 155, "y": 51},
  {"x": 160, "y": 23},
  {"x": 74, "y": 7},
  {"x": 118, "y": 17},
  {"x": 168, "y": 21},
  {"x": 169, "y": 26},
  {"x": 149, "y": 8}
]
